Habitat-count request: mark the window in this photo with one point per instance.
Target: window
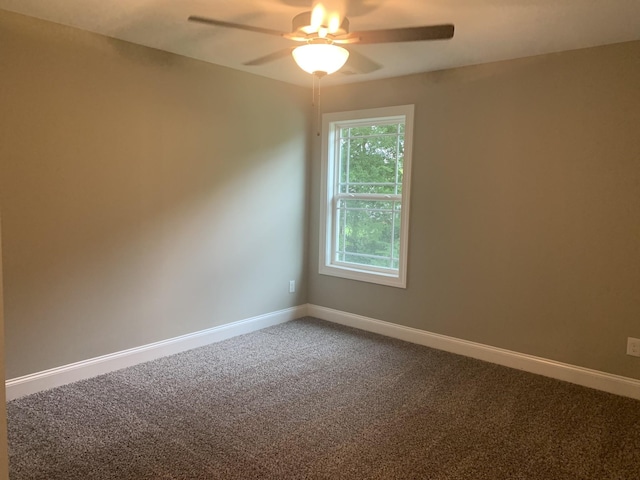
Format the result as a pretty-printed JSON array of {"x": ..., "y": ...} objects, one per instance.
[{"x": 366, "y": 167}]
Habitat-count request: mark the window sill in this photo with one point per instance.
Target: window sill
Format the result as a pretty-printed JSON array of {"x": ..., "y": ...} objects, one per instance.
[{"x": 390, "y": 280}]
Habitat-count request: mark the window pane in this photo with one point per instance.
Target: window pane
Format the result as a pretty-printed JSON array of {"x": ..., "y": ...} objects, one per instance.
[
  {"x": 377, "y": 205},
  {"x": 373, "y": 130},
  {"x": 366, "y": 232},
  {"x": 344, "y": 157},
  {"x": 396, "y": 235},
  {"x": 372, "y": 160},
  {"x": 385, "y": 189},
  {"x": 367, "y": 260},
  {"x": 400, "y": 162}
]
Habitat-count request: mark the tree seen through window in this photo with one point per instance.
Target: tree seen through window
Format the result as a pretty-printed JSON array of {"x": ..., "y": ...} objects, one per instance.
[{"x": 369, "y": 193}]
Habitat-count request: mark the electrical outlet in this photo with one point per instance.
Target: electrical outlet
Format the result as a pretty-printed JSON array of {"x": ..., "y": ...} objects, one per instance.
[
  {"x": 633, "y": 346},
  {"x": 292, "y": 287}
]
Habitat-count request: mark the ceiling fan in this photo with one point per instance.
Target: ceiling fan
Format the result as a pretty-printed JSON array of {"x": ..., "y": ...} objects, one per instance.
[{"x": 322, "y": 32}]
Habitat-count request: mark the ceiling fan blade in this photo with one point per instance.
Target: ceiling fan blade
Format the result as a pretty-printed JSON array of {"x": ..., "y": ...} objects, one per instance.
[
  {"x": 358, "y": 63},
  {"x": 409, "y": 34},
  {"x": 239, "y": 26},
  {"x": 269, "y": 58}
]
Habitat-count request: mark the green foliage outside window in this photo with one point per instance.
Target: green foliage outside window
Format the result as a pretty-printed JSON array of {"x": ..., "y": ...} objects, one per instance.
[{"x": 369, "y": 192}]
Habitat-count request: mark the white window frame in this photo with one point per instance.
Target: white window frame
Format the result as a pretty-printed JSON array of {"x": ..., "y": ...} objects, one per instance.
[{"x": 331, "y": 124}]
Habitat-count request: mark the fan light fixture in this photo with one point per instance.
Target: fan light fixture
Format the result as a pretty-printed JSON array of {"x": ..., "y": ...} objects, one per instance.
[{"x": 320, "y": 58}]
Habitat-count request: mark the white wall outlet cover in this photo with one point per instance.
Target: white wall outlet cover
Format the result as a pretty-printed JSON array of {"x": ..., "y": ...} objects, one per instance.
[{"x": 633, "y": 346}]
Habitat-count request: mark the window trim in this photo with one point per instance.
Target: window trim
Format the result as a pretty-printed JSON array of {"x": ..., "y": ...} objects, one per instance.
[{"x": 330, "y": 125}]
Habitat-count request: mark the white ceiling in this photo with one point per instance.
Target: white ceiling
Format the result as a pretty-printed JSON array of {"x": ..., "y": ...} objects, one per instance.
[{"x": 486, "y": 30}]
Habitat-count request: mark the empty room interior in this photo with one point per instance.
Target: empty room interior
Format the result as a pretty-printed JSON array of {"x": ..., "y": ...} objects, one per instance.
[{"x": 161, "y": 196}]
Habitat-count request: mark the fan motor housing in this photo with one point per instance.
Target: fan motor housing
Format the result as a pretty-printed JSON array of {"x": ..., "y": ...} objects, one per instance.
[{"x": 301, "y": 24}]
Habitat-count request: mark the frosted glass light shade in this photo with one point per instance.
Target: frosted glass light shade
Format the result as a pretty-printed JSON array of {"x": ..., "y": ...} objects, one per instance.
[{"x": 320, "y": 57}]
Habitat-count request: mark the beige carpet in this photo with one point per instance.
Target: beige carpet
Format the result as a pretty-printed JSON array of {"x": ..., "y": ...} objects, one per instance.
[{"x": 309, "y": 399}]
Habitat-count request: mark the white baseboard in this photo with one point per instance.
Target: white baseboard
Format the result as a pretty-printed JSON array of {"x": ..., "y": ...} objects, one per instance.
[
  {"x": 55, "y": 377},
  {"x": 616, "y": 384}
]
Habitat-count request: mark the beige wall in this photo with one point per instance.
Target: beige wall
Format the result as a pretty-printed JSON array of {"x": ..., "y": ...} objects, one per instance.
[
  {"x": 145, "y": 195},
  {"x": 4, "y": 458},
  {"x": 525, "y": 221}
]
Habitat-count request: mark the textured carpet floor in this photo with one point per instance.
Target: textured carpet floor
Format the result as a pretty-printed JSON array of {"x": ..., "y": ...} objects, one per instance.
[{"x": 309, "y": 399}]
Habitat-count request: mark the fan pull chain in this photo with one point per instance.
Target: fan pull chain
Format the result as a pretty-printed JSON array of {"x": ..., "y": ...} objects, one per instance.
[
  {"x": 318, "y": 107},
  {"x": 315, "y": 103},
  {"x": 313, "y": 99},
  {"x": 313, "y": 91}
]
